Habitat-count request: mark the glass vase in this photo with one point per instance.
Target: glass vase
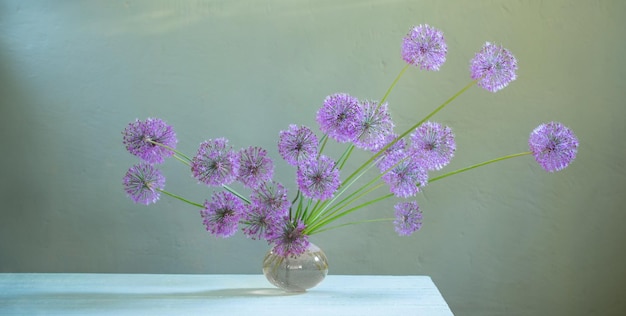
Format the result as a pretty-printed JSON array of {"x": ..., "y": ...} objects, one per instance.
[{"x": 296, "y": 274}]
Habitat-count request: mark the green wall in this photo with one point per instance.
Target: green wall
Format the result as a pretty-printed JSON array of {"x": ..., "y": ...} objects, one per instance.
[{"x": 508, "y": 239}]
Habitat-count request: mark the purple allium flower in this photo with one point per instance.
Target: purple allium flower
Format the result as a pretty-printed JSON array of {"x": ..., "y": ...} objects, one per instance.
[
  {"x": 408, "y": 218},
  {"x": 433, "y": 145},
  {"x": 340, "y": 117},
  {"x": 142, "y": 183},
  {"x": 424, "y": 47},
  {"x": 553, "y": 145},
  {"x": 266, "y": 212},
  {"x": 318, "y": 178},
  {"x": 139, "y": 138},
  {"x": 221, "y": 215},
  {"x": 259, "y": 222},
  {"x": 297, "y": 144},
  {"x": 255, "y": 167},
  {"x": 271, "y": 195},
  {"x": 405, "y": 176},
  {"x": 494, "y": 67},
  {"x": 376, "y": 124},
  {"x": 289, "y": 239},
  {"x": 215, "y": 164}
]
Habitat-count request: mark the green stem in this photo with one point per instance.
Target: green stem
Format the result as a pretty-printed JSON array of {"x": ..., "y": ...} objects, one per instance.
[
  {"x": 296, "y": 198},
  {"x": 180, "y": 198},
  {"x": 354, "y": 223},
  {"x": 310, "y": 211},
  {"x": 318, "y": 211},
  {"x": 323, "y": 143},
  {"x": 439, "y": 108},
  {"x": 299, "y": 210},
  {"x": 231, "y": 190},
  {"x": 337, "y": 208},
  {"x": 333, "y": 207},
  {"x": 393, "y": 84},
  {"x": 344, "y": 157},
  {"x": 179, "y": 158},
  {"x": 445, "y": 175},
  {"x": 329, "y": 208},
  {"x": 314, "y": 228}
]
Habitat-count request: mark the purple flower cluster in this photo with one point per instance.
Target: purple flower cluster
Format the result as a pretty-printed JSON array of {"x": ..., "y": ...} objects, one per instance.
[
  {"x": 255, "y": 167},
  {"x": 215, "y": 163},
  {"x": 403, "y": 161},
  {"x": 405, "y": 166},
  {"x": 345, "y": 119},
  {"x": 271, "y": 195},
  {"x": 424, "y": 47},
  {"x": 433, "y": 145},
  {"x": 269, "y": 206},
  {"x": 340, "y": 117},
  {"x": 403, "y": 173},
  {"x": 553, "y": 145},
  {"x": 142, "y": 183},
  {"x": 408, "y": 218},
  {"x": 494, "y": 67},
  {"x": 150, "y": 140},
  {"x": 297, "y": 144},
  {"x": 222, "y": 213},
  {"x": 318, "y": 179},
  {"x": 259, "y": 222},
  {"x": 375, "y": 124},
  {"x": 289, "y": 239}
]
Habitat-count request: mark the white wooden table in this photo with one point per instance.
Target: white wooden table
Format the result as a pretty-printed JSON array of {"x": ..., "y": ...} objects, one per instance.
[{"x": 184, "y": 294}]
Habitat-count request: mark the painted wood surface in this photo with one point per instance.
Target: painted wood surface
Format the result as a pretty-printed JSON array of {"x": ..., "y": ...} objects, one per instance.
[{"x": 184, "y": 294}]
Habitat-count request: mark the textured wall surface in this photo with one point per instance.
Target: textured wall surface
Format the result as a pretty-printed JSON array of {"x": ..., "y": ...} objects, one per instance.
[{"x": 507, "y": 239}]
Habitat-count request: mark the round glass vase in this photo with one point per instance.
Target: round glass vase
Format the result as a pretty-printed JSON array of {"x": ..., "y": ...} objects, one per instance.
[{"x": 296, "y": 274}]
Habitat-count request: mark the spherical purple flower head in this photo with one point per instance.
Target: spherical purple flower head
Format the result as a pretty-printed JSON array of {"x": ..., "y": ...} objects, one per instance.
[
  {"x": 408, "y": 218},
  {"x": 255, "y": 167},
  {"x": 424, "y": 47},
  {"x": 142, "y": 183},
  {"x": 340, "y": 117},
  {"x": 266, "y": 212},
  {"x": 405, "y": 176},
  {"x": 433, "y": 145},
  {"x": 288, "y": 238},
  {"x": 376, "y": 124},
  {"x": 140, "y": 135},
  {"x": 318, "y": 178},
  {"x": 215, "y": 163},
  {"x": 260, "y": 222},
  {"x": 297, "y": 144},
  {"x": 494, "y": 67},
  {"x": 553, "y": 145},
  {"x": 221, "y": 215},
  {"x": 271, "y": 195}
]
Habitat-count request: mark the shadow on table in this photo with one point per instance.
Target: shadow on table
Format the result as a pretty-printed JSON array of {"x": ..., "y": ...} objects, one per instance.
[
  {"x": 243, "y": 292},
  {"x": 122, "y": 296},
  {"x": 158, "y": 302}
]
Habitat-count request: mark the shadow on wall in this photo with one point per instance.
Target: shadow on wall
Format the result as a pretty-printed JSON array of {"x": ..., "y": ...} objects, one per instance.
[
  {"x": 24, "y": 196},
  {"x": 169, "y": 16}
]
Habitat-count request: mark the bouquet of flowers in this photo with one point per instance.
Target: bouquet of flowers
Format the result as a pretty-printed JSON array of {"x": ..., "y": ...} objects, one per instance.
[{"x": 401, "y": 162}]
